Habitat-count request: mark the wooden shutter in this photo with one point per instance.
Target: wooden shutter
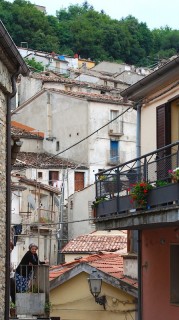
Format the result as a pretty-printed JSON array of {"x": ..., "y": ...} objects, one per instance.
[
  {"x": 79, "y": 181},
  {"x": 163, "y": 139},
  {"x": 163, "y": 125}
]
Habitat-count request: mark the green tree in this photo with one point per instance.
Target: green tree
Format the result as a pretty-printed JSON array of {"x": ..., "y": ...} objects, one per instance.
[{"x": 34, "y": 64}]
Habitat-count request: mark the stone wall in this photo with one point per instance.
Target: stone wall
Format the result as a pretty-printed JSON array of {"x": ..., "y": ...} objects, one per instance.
[{"x": 5, "y": 88}]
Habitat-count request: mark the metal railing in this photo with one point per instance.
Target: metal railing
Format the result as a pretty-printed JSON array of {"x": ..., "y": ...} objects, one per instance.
[
  {"x": 153, "y": 167},
  {"x": 30, "y": 290}
]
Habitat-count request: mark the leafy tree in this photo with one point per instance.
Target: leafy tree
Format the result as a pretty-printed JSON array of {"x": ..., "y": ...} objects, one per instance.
[
  {"x": 34, "y": 64},
  {"x": 80, "y": 29}
]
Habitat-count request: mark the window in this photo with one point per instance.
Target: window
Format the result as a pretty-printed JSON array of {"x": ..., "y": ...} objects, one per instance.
[
  {"x": 116, "y": 126},
  {"x": 114, "y": 152},
  {"x": 53, "y": 178},
  {"x": 40, "y": 175},
  {"x": 79, "y": 181},
  {"x": 57, "y": 146},
  {"x": 113, "y": 114},
  {"x": 174, "y": 273}
]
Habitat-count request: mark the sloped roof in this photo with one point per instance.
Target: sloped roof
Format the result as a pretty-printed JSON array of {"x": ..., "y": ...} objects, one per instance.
[
  {"x": 110, "y": 265},
  {"x": 91, "y": 96},
  {"x": 51, "y": 76},
  {"x": 22, "y": 131},
  {"x": 37, "y": 184},
  {"x": 43, "y": 161},
  {"x": 96, "y": 243}
]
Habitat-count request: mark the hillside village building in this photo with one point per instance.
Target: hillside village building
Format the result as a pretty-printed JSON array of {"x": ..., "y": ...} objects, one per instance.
[
  {"x": 68, "y": 111},
  {"x": 42, "y": 183},
  {"x": 156, "y": 219},
  {"x": 119, "y": 290}
]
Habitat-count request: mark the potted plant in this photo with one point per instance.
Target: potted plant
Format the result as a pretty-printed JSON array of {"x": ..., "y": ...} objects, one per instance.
[
  {"x": 47, "y": 308},
  {"x": 139, "y": 193},
  {"x": 12, "y": 310}
]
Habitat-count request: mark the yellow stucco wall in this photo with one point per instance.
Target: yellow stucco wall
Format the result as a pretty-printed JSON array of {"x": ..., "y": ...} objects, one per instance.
[
  {"x": 73, "y": 301},
  {"x": 148, "y": 117},
  {"x": 89, "y": 64}
]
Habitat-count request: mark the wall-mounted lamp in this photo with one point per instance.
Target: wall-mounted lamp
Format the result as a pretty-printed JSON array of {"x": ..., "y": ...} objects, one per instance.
[
  {"x": 19, "y": 143},
  {"x": 95, "y": 282}
]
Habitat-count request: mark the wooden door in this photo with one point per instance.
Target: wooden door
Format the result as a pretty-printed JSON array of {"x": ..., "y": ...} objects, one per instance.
[{"x": 79, "y": 181}]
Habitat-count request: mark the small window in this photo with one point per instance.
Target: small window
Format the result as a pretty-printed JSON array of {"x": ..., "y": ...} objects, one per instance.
[
  {"x": 40, "y": 175},
  {"x": 57, "y": 146},
  {"x": 174, "y": 274}
]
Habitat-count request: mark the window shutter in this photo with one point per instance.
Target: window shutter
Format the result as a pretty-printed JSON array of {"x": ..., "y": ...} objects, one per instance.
[{"x": 163, "y": 139}]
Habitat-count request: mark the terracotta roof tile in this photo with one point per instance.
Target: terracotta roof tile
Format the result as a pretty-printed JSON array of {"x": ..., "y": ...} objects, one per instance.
[
  {"x": 43, "y": 160},
  {"x": 53, "y": 77},
  {"x": 91, "y": 96},
  {"x": 95, "y": 243},
  {"x": 31, "y": 182},
  {"x": 111, "y": 263},
  {"x": 21, "y": 130}
]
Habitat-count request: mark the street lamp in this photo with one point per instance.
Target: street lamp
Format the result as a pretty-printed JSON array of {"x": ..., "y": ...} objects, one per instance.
[{"x": 95, "y": 283}]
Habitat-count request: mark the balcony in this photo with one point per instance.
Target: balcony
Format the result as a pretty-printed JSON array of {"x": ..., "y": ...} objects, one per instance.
[
  {"x": 33, "y": 301},
  {"x": 115, "y": 207}
]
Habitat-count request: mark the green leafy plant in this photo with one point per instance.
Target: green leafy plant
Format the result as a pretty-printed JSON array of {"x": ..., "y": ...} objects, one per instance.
[
  {"x": 174, "y": 174},
  {"x": 139, "y": 193},
  {"x": 161, "y": 183},
  {"x": 48, "y": 306},
  {"x": 97, "y": 201},
  {"x": 12, "y": 305}
]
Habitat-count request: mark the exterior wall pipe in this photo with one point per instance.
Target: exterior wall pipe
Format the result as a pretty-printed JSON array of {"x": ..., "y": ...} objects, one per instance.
[
  {"x": 138, "y": 139},
  {"x": 8, "y": 190},
  {"x": 138, "y": 154}
]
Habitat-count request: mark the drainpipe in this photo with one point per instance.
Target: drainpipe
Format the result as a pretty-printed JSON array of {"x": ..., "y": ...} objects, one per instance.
[
  {"x": 138, "y": 154},
  {"x": 138, "y": 139},
  {"x": 8, "y": 191}
]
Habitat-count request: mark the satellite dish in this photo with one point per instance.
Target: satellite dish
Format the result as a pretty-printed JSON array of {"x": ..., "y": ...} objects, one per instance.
[{"x": 31, "y": 201}]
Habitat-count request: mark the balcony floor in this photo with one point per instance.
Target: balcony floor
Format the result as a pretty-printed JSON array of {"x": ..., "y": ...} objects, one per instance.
[{"x": 141, "y": 219}]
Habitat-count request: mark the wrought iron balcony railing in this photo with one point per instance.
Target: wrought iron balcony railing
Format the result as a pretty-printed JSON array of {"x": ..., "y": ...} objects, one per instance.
[{"x": 113, "y": 186}]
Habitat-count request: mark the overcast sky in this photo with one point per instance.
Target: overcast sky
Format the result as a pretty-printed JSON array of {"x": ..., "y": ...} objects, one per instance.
[{"x": 156, "y": 13}]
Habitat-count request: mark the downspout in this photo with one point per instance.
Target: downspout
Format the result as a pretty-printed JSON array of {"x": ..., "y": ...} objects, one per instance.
[
  {"x": 138, "y": 154},
  {"x": 8, "y": 190}
]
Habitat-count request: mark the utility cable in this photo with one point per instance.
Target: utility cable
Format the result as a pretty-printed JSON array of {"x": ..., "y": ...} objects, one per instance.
[{"x": 90, "y": 135}]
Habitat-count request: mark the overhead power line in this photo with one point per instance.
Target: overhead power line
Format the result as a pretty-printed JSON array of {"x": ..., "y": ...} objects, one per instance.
[{"x": 90, "y": 135}]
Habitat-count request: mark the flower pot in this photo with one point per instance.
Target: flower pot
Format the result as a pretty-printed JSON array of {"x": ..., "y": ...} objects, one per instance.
[{"x": 13, "y": 312}]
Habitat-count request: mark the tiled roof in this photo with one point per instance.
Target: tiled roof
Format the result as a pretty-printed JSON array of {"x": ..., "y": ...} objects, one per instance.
[
  {"x": 111, "y": 264},
  {"x": 49, "y": 77},
  {"x": 96, "y": 243},
  {"x": 91, "y": 96},
  {"x": 22, "y": 131},
  {"x": 38, "y": 185},
  {"x": 43, "y": 160}
]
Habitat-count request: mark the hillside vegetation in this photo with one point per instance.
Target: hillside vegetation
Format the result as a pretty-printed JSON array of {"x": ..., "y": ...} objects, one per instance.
[{"x": 82, "y": 30}]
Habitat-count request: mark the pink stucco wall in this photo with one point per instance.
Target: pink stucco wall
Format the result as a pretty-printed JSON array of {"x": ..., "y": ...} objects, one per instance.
[{"x": 156, "y": 274}]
